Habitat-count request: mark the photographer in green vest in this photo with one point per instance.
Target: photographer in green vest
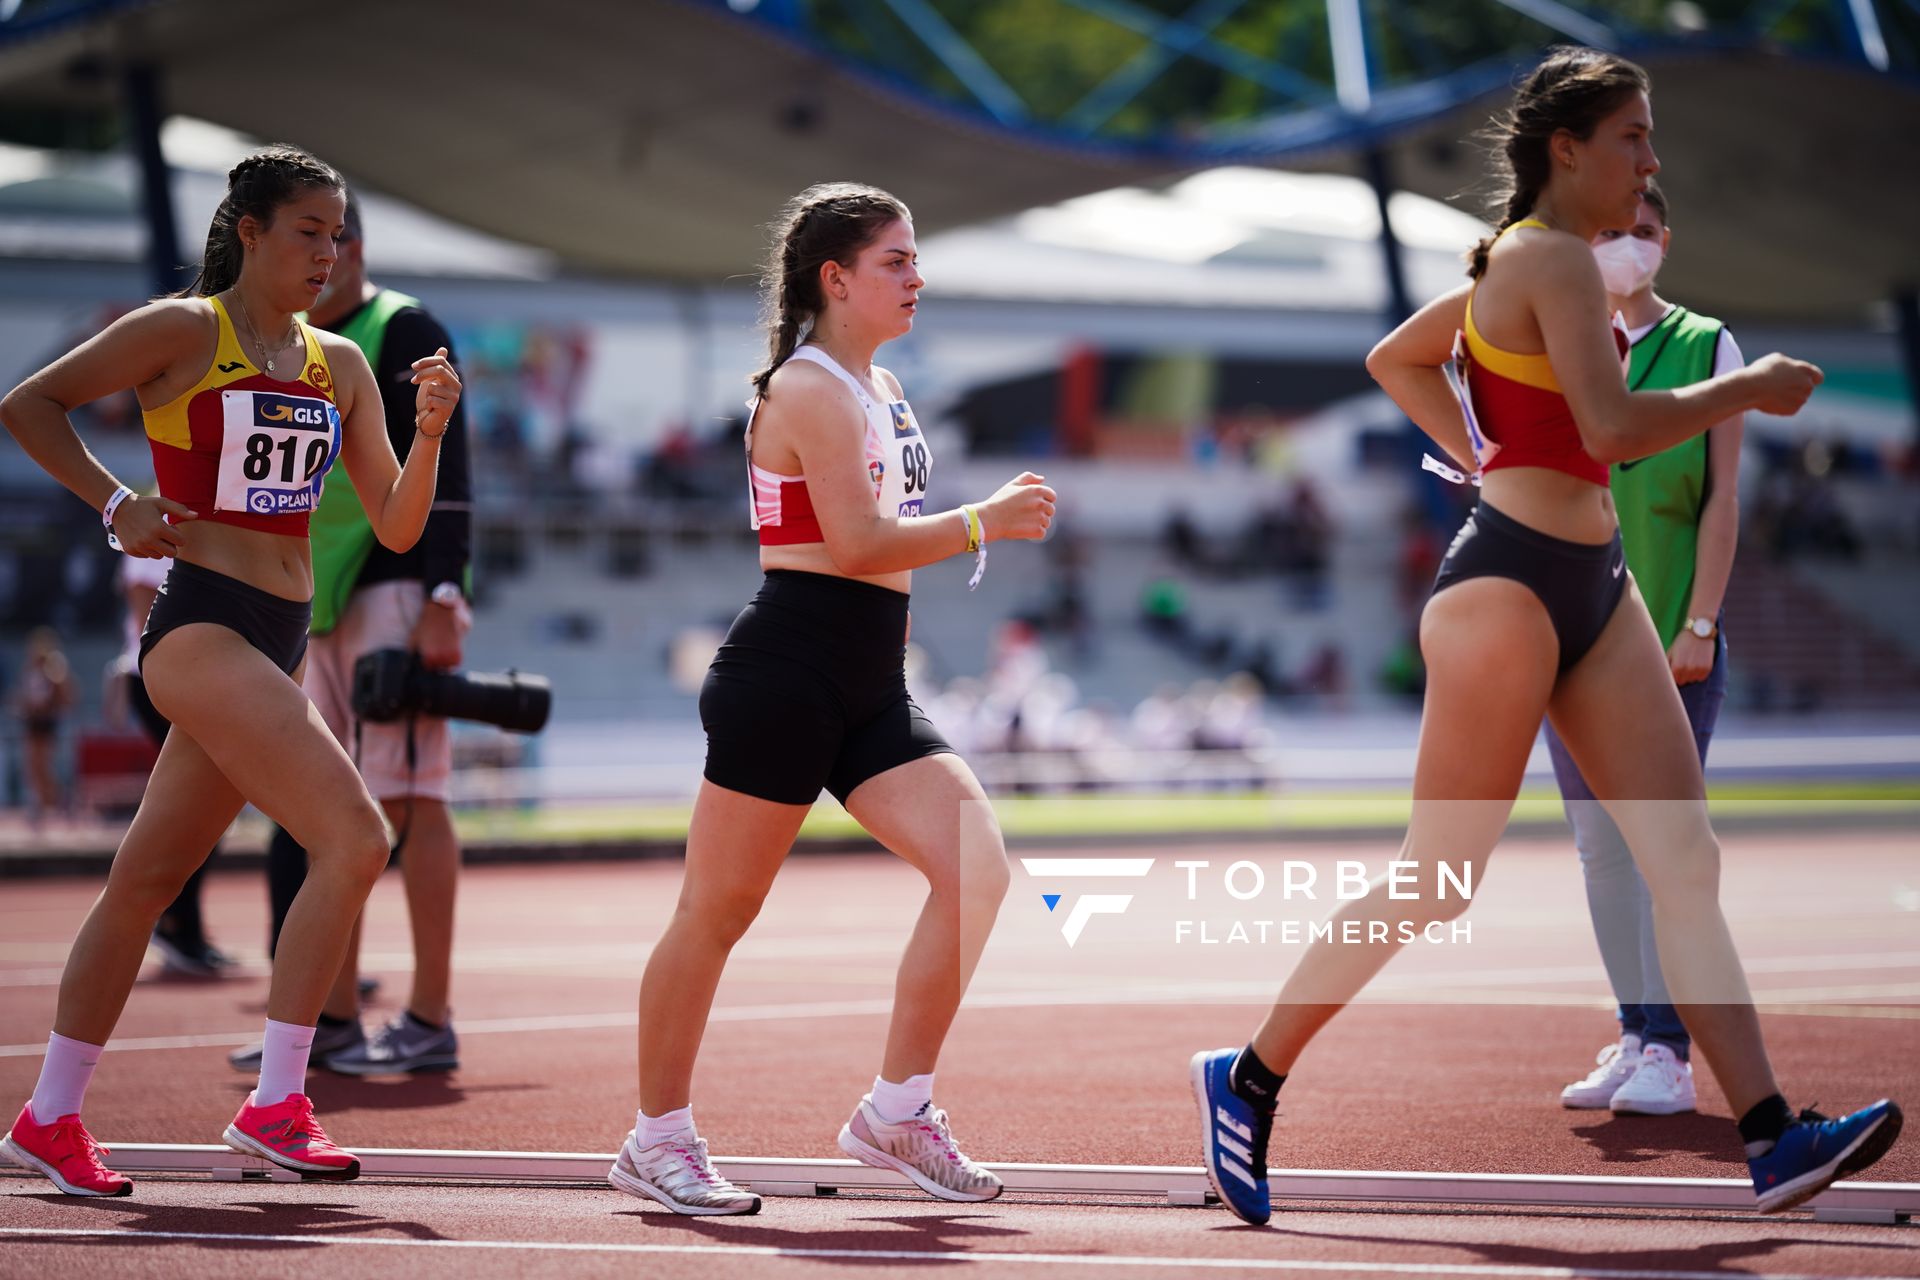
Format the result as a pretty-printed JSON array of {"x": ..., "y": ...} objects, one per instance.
[
  {"x": 368, "y": 598},
  {"x": 1679, "y": 516}
]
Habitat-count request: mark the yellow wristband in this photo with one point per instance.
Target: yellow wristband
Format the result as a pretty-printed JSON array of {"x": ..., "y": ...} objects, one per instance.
[{"x": 975, "y": 535}]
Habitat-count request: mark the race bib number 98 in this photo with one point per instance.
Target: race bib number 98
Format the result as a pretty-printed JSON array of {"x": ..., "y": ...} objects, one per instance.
[{"x": 274, "y": 449}]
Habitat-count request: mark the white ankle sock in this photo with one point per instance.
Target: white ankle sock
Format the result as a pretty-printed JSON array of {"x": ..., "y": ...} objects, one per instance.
[
  {"x": 650, "y": 1130},
  {"x": 897, "y": 1102},
  {"x": 283, "y": 1062},
  {"x": 64, "y": 1076}
]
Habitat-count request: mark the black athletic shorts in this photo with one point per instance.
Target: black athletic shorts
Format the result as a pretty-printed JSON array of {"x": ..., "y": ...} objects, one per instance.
[
  {"x": 276, "y": 627},
  {"x": 1580, "y": 583},
  {"x": 809, "y": 690}
]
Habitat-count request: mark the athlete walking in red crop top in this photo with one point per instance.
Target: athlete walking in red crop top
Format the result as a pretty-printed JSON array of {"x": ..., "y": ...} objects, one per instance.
[
  {"x": 246, "y": 408},
  {"x": 808, "y": 693},
  {"x": 1534, "y": 613}
]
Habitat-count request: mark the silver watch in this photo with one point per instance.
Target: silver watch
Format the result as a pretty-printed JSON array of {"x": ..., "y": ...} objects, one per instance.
[
  {"x": 447, "y": 594},
  {"x": 1705, "y": 628}
]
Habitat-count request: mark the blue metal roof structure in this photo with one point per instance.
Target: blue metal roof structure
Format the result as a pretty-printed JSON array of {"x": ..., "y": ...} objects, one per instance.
[
  {"x": 1337, "y": 74},
  {"x": 656, "y": 136}
]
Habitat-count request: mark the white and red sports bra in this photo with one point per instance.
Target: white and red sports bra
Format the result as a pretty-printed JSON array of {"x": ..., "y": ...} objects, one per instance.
[{"x": 898, "y": 463}]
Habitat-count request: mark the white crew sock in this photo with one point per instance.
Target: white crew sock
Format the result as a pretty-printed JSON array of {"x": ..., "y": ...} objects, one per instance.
[
  {"x": 650, "y": 1131},
  {"x": 903, "y": 1101},
  {"x": 64, "y": 1075},
  {"x": 283, "y": 1062}
]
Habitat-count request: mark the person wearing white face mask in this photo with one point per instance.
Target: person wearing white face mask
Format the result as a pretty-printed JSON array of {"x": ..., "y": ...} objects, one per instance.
[{"x": 1679, "y": 521}]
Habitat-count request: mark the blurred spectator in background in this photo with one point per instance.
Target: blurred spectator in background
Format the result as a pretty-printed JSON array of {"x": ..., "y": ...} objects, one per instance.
[
  {"x": 180, "y": 936},
  {"x": 1798, "y": 511},
  {"x": 1418, "y": 560},
  {"x": 1181, "y": 540},
  {"x": 1163, "y": 609},
  {"x": 42, "y": 698}
]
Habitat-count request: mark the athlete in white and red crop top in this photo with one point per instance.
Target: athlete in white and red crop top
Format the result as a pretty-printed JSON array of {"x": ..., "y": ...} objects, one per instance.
[
  {"x": 808, "y": 693},
  {"x": 898, "y": 465}
]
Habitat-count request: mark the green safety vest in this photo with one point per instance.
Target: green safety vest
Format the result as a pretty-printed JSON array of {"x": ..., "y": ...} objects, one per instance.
[
  {"x": 342, "y": 535},
  {"x": 1659, "y": 498}
]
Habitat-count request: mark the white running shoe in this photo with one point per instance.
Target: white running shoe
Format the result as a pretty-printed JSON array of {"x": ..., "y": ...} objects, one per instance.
[
  {"x": 922, "y": 1148},
  {"x": 1661, "y": 1085},
  {"x": 1616, "y": 1062},
  {"x": 678, "y": 1174}
]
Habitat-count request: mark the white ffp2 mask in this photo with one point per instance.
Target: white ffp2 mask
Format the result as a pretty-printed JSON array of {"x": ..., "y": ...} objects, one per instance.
[{"x": 1628, "y": 264}]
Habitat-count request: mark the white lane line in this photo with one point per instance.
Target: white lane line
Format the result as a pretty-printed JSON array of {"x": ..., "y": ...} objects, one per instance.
[
  {"x": 1174, "y": 993},
  {"x": 634, "y": 958},
  {"x": 627, "y": 957},
  {"x": 492, "y": 1026},
  {"x": 929, "y": 1255}
]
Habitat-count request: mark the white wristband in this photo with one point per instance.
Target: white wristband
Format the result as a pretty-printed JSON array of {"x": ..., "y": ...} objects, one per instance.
[{"x": 120, "y": 495}]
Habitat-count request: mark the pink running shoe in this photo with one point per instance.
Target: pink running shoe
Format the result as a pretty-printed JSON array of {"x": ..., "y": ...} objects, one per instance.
[
  {"x": 66, "y": 1153},
  {"x": 287, "y": 1134}
]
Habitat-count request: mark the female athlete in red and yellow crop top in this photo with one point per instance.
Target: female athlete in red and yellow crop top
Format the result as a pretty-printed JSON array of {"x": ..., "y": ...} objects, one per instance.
[
  {"x": 1533, "y": 615},
  {"x": 1519, "y": 416},
  {"x": 243, "y": 425},
  {"x": 246, "y": 449}
]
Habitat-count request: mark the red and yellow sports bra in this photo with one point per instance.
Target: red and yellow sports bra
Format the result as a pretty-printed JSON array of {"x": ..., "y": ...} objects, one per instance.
[
  {"x": 1516, "y": 415},
  {"x": 246, "y": 449}
]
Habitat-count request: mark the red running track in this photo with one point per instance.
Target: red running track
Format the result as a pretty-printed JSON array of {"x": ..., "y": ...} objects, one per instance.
[{"x": 1063, "y": 1055}]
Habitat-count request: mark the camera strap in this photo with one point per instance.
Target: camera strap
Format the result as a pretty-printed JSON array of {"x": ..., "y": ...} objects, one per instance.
[
  {"x": 406, "y": 806},
  {"x": 406, "y": 809}
]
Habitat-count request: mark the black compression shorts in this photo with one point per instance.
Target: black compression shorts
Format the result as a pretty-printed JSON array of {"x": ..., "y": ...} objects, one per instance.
[
  {"x": 1580, "y": 583},
  {"x": 809, "y": 690},
  {"x": 274, "y": 626}
]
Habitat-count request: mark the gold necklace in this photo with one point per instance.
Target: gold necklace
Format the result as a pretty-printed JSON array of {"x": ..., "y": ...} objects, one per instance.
[{"x": 254, "y": 333}]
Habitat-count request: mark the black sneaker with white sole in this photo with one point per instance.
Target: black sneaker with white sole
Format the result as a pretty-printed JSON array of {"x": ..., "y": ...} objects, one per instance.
[
  {"x": 405, "y": 1045},
  {"x": 327, "y": 1038}
]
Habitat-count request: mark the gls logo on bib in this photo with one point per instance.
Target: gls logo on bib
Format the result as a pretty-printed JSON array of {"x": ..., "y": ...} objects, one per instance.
[
  {"x": 272, "y": 410},
  {"x": 274, "y": 450}
]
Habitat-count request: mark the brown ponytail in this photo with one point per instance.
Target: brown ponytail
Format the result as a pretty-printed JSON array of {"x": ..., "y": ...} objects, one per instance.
[
  {"x": 256, "y": 187},
  {"x": 828, "y": 222},
  {"x": 1574, "y": 88}
]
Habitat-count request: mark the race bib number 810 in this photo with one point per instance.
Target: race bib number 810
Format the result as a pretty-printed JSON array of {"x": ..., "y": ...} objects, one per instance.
[{"x": 274, "y": 449}]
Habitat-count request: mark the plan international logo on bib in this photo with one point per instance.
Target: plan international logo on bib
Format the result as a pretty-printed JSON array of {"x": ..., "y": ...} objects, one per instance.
[{"x": 279, "y": 502}]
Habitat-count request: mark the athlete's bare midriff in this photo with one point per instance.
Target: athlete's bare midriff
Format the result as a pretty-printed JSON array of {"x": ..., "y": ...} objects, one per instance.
[
  {"x": 813, "y": 557},
  {"x": 1557, "y": 504},
  {"x": 276, "y": 563}
]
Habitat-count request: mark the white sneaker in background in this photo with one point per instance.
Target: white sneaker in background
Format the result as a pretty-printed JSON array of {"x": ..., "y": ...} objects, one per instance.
[
  {"x": 1616, "y": 1063},
  {"x": 1661, "y": 1085}
]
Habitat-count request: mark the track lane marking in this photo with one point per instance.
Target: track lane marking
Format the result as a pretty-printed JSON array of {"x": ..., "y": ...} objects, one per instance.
[{"x": 882, "y": 1005}]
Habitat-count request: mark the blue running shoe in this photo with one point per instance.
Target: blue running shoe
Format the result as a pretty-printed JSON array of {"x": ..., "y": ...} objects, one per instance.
[
  {"x": 1815, "y": 1152},
  {"x": 1233, "y": 1137}
]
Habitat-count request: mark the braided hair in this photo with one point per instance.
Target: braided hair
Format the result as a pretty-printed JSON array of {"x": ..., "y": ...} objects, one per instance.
[
  {"x": 256, "y": 188},
  {"x": 1574, "y": 88},
  {"x": 828, "y": 222}
]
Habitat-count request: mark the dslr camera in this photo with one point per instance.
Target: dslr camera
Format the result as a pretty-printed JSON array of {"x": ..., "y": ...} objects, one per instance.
[{"x": 391, "y": 683}]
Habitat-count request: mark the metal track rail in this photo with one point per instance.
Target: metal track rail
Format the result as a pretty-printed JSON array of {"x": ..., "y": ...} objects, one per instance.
[{"x": 1879, "y": 1202}]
